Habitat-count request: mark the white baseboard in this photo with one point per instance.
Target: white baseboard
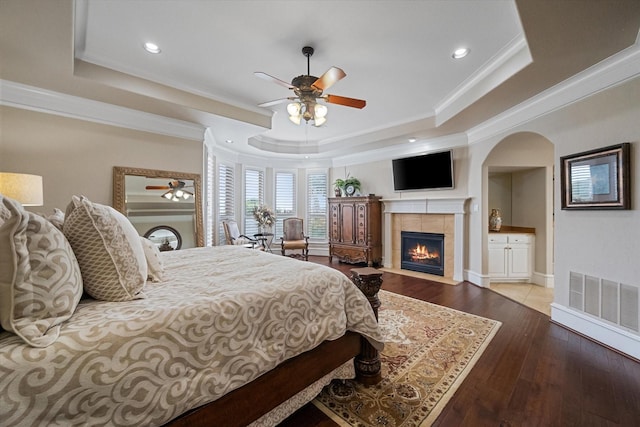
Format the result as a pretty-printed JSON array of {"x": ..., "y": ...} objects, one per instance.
[
  {"x": 542, "y": 279},
  {"x": 477, "y": 278},
  {"x": 605, "y": 333}
]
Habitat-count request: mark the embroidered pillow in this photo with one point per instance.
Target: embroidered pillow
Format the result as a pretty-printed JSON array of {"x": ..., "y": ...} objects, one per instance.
[
  {"x": 40, "y": 280},
  {"x": 108, "y": 249},
  {"x": 154, "y": 263}
]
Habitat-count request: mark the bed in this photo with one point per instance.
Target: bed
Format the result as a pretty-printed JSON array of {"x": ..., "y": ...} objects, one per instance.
[{"x": 228, "y": 336}]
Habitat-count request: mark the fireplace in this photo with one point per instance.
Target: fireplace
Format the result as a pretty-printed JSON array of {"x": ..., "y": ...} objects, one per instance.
[{"x": 423, "y": 252}]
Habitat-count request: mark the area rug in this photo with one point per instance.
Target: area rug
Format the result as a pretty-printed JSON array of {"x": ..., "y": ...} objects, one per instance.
[{"x": 429, "y": 350}]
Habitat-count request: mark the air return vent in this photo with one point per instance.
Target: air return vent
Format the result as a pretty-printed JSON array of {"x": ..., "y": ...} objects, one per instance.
[{"x": 614, "y": 302}]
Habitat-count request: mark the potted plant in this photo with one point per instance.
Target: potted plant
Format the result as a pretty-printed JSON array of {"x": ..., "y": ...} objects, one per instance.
[
  {"x": 338, "y": 185},
  {"x": 351, "y": 185}
]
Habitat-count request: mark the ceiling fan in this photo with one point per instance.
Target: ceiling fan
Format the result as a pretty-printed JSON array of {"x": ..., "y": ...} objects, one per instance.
[
  {"x": 176, "y": 190},
  {"x": 308, "y": 90}
]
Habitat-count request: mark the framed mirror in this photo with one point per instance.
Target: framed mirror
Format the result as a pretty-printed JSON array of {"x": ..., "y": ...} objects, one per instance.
[
  {"x": 152, "y": 198},
  {"x": 164, "y": 237}
]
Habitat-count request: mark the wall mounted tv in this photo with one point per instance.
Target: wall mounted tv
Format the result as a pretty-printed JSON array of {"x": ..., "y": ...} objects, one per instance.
[{"x": 432, "y": 171}]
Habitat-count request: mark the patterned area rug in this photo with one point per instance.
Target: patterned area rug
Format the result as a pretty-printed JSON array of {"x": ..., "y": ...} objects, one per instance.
[{"x": 429, "y": 350}]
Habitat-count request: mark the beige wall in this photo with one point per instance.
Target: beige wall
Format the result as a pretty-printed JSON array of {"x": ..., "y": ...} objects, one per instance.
[
  {"x": 376, "y": 177},
  {"x": 77, "y": 157}
]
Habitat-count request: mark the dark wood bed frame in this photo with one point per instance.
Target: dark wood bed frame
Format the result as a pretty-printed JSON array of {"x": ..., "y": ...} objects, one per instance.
[{"x": 248, "y": 403}]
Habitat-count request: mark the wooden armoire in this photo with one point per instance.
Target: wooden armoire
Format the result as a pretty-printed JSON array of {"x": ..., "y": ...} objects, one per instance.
[{"x": 355, "y": 230}]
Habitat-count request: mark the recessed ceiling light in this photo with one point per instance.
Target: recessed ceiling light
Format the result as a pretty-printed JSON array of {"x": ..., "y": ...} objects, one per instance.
[
  {"x": 151, "y": 47},
  {"x": 460, "y": 53},
  {"x": 229, "y": 141},
  {"x": 412, "y": 140}
]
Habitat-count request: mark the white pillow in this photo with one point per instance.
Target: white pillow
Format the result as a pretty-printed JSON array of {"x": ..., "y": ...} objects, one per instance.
[
  {"x": 154, "y": 263},
  {"x": 40, "y": 280},
  {"x": 108, "y": 249}
]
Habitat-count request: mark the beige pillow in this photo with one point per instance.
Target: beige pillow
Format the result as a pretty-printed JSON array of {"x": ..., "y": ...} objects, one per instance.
[
  {"x": 108, "y": 249},
  {"x": 154, "y": 263},
  {"x": 56, "y": 218},
  {"x": 40, "y": 280}
]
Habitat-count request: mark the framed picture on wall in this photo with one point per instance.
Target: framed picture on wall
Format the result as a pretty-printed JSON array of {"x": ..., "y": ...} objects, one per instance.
[{"x": 597, "y": 179}]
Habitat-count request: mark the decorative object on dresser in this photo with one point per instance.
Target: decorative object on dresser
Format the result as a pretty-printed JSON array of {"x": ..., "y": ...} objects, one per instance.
[
  {"x": 349, "y": 186},
  {"x": 355, "y": 231}
]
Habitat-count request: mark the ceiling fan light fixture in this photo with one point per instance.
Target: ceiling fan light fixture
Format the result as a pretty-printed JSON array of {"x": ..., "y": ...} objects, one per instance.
[
  {"x": 168, "y": 195},
  {"x": 294, "y": 109},
  {"x": 320, "y": 111},
  {"x": 319, "y": 121}
]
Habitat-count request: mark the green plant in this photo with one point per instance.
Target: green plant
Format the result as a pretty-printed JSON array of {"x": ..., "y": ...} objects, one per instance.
[
  {"x": 352, "y": 181},
  {"x": 339, "y": 183}
]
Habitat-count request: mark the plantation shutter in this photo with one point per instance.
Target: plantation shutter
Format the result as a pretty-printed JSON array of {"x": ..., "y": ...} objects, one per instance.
[
  {"x": 253, "y": 197},
  {"x": 317, "y": 205},
  {"x": 210, "y": 214},
  {"x": 226, "y": 202},
  {"x": 285, "y": 198}
]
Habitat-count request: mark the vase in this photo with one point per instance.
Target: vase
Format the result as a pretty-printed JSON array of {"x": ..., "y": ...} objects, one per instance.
[
  {"x": 337, "y": 192},
  {"x": 495, "y": 220}
]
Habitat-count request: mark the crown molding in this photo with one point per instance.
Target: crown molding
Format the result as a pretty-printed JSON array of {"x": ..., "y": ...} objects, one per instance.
[
  {"x": 611, "y": 72},
  {"x": 26, "y": 97}
]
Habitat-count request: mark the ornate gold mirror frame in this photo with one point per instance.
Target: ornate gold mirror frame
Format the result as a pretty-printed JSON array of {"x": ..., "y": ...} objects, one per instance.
[{"x": 119, "y": 191}]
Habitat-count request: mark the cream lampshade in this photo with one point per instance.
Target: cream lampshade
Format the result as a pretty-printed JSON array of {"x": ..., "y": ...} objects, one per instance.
[{"x": 25, "y": 188}]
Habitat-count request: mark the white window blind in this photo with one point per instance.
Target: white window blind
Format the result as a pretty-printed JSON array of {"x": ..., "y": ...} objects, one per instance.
[
  {"x": 285, "y": 198},
  {"x": 317, "y": 205},
  {"x": 253, "y": 197},
  {"x": 226, "y": 202},
  {"x": 210, "y": 214}
]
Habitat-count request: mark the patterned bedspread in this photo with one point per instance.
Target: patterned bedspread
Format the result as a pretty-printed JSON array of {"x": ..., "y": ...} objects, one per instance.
[{"x": 222, "y": 317}]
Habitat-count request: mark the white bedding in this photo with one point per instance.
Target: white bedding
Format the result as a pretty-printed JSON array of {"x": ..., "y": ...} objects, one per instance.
[{"x": 220, "y": 318}]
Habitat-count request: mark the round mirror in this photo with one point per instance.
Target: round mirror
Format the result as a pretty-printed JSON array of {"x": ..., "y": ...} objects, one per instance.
[{"x": 164, "y": 237}]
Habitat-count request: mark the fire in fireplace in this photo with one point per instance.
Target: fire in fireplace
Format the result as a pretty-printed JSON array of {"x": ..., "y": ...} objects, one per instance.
[{"x": 423, "y": 252}]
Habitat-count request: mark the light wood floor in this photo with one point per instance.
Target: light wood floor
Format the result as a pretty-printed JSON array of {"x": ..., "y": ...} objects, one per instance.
[
  {"x": 531, "y": 295},
  {"x": 534, "y": 372}
]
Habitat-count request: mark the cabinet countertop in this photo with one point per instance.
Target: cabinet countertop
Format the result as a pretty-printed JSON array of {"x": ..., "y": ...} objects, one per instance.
[{"x": 513, "y": 229}]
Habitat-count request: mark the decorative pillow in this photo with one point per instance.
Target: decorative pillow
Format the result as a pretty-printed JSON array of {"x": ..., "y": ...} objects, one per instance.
[
  {"x": 154, "y": 263},
  {"x": 40, "y": 280},
  {"x": 56, "y": 218},
  {"x": 108, "y": 249}
]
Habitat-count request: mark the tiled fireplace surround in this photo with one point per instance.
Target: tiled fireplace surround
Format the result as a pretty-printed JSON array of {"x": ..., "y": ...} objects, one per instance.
[{"x": 446, "y": 216}]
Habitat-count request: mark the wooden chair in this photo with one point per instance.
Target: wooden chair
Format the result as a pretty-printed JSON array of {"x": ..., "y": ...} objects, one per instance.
[
  {"x": 294, "y": 237},
  {"x": 233, "y": 237}
]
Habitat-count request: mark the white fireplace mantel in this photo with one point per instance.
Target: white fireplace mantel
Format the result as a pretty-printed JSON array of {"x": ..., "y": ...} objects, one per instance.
[{"x": 453, "y": 206}]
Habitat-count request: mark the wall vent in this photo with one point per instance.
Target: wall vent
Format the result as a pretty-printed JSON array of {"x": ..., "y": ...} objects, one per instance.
[{"x": 611, "y": 301}]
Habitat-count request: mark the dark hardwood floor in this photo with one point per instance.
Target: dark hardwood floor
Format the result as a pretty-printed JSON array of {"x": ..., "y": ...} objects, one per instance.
[{"x": 534, "y": 372}]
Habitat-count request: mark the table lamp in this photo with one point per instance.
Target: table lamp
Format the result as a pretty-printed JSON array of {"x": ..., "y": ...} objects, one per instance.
[{"x": 25, "y": 188}]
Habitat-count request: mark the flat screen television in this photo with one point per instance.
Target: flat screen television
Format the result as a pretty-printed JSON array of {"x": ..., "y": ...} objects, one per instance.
[{"x": 432, "y": 171}]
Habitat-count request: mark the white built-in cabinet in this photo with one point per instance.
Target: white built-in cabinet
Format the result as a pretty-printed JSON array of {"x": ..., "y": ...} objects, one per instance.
[{"x": 511, "y": 257}]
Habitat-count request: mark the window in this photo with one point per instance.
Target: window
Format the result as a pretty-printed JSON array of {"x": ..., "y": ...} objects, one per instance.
[
  {"x": 317, "y": 205},
  {"x": 285, "y": 198},
  {"x": 226, "y": 206},
  {"x": 253, "y": 197},
  {"x": 209, "y": 202}
]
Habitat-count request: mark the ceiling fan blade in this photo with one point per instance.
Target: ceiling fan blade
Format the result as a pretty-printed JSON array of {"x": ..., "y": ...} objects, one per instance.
[
  {"x": 157, "y": 187},
  {"x": 342, "y": 100},
  {"x": 331, "y": 76},
  {"x": 274, "y": 102},
  {"x": 269, "y": 78}
]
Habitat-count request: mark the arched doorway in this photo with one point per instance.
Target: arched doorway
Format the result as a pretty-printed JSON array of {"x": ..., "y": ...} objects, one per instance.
[{"x": 518, "y": 173}]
